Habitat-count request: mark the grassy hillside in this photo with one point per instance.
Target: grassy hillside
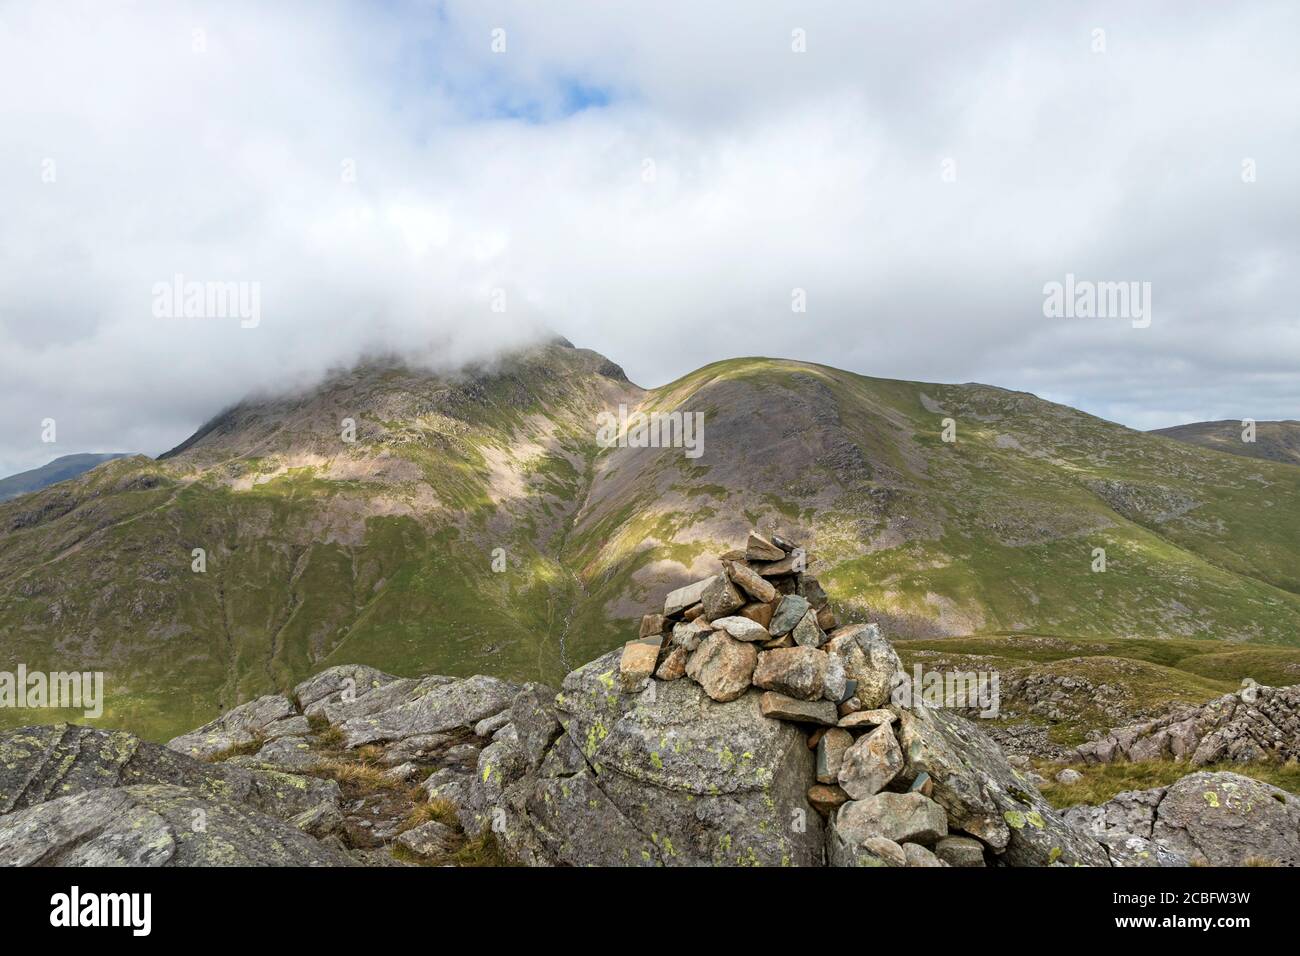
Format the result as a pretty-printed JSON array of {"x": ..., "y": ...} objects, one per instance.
[
  {"x": 382, "y": 550},
  {"x": 1274, "y": 441},
  {"x": 60, "y": 469}
]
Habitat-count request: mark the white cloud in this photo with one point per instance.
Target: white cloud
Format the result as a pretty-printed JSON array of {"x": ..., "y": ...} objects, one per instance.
[{"x": 773, "y": 170}]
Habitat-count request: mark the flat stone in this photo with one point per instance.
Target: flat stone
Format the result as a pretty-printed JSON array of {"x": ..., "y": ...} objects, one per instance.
[
  {"x": 759, "y": 548},
  {"x": 781, "y": 707},
  {"x": 795, "y": 671},
  {"x": 652, "y": 624},
  {"x": 789, "y": 612},
  {"x": 693, "y": 613},
  {"x": 722, "y": 666},
  {"x": 832, "y": 746},
  {"x": 750, "y": 581},
  {"x": 638, "y": 661},
  {"x": 868, "y": 718},
  {"x": 789, "y": 565},
  {"x": 872, "y": 762},
  {"x": 679, "y": 600},
  {"x": 826, "y": 619},
  {"x": 742, "y": 628}
]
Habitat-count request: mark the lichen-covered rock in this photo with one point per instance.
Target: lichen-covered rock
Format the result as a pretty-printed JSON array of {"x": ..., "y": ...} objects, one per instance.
[
  {"x": 38, "y": 764},
  {"x": 433, "y": 705},
  {"x": 984, "y": 796},
  {"x": 242, "y": 725},
  {"x": 668, "y": 776},
  {"x": 1255, "y": 723},
  {"x": 1223, "y": 819},
  {"x": 154, "y": 825}
]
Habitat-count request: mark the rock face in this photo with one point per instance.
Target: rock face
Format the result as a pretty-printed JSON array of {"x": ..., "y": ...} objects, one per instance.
[
  {"x": 1255, "y": 723},
  {"x": 74, "y": 796},
  {"x": 1223, "y": 819},
  {"x": 668, "y": 776},
  {"x": 154, "y": 825}
]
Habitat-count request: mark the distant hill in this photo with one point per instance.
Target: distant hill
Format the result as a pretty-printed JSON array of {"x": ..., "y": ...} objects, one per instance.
[
  {"x": 477, "y": 525},
  {"x": 60, "y": 469},
  {"x": 1274, "y": 441}
]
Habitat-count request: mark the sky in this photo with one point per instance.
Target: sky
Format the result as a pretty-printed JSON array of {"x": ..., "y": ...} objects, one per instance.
[{"x": 882, "y": 187}]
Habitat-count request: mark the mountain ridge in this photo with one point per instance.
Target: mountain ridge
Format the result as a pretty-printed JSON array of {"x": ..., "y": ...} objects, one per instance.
[{"x": 321, "y": 551}]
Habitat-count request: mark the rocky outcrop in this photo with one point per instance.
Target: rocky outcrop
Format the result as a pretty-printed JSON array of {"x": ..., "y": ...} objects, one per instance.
[
  {"x": 76, "y": 796},
  {"x": 1220, "y": 819},
  {"x": 1255, "y": 723}
]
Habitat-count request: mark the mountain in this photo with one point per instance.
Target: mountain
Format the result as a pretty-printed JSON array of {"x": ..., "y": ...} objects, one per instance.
[
  {"x": 60, "y": 469},
  {"x": 1274, "y": 441},
  {"x": 382, "y": 551}
]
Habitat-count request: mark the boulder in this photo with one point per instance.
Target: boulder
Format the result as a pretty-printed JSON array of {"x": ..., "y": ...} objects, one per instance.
[
  {"x": 901, "y": 817},
  {"x": 868, "y": 659},
  {"x": 652, "y": 624},
  {"x": 673, "y": 666},
  {"x": 758, "y": 613},
  {"x": 689, "y": 634},
  {"x": 826, "y": 797},
  {"x": 870, "y": 763},
  {"x": 154, "y": 825},
  {"x": 984, "y": 796},
  {"x": 670, "y": 777},
  {"x": 798, "y": 672},
  {"x": 430, "y": 839},
  {"x": 433, "y": 705},
  {"x": 917, "y": 855},
  {"x": 722, "y": 666},
  {"x": 1220, "y": 819}
]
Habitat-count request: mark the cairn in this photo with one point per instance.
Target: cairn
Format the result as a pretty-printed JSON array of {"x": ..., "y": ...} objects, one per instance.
[{"x": 765, "y": 622}]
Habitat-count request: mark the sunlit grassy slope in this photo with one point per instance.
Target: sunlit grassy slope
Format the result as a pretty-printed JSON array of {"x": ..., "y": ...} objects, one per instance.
[{"x": 382, "y": 551}]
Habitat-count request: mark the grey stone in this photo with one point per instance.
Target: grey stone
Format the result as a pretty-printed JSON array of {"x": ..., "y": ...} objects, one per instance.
[{"x": 870, "y": 763}]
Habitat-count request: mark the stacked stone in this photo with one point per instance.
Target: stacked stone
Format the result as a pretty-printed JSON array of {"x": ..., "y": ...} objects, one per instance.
[{"x": 764, "y": 622}]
